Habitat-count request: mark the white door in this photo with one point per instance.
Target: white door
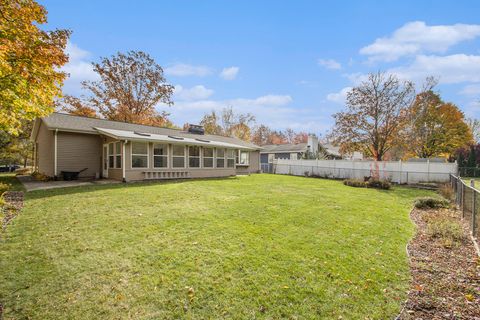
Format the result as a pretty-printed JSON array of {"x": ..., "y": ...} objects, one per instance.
[{"x": 105, "y": 161}]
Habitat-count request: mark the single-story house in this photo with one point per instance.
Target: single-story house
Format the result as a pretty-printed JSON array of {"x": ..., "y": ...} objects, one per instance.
[{"x": 130, "y": 152}]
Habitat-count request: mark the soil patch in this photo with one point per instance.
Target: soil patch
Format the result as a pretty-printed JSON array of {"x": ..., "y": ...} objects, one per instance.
[{"x": 445, "y": 268}]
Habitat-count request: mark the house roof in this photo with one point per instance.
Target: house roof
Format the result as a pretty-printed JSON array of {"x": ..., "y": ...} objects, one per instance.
[
  {"x": 175, "y": 139},
  {"x": 68, "y": 122},
  {"x": 287, "y": 147}
]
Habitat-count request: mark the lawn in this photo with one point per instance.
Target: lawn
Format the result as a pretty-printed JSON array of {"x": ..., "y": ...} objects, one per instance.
[{"x": 263, "y": 246}]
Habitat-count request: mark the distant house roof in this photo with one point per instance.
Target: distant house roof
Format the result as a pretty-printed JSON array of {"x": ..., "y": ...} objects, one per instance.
[
  {"x": 67, "y": 122},
  {"x": 284, "y": 148}
]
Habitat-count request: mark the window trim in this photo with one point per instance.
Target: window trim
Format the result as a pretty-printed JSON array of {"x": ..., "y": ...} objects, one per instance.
[
  {"x": 220, "y": 158},
  {"x": 199, "y": 157},
  {"x": 137, "y": 154},
  {"x": 164, "y": 156},
  {"x": 212, "y": 157},
  {"x": 111, "y": 153},
  {"x": 119, "y": 154},
  {"x": 230, "y": 158},
  {"x": 239, "y": 158},
  {"x": 184, "y": 156}
]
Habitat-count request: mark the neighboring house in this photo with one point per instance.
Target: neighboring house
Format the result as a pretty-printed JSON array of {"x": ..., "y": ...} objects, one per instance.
[
  {"x": 291, "y": 151},
  {"x": 334, "y": 151},
  {"x": 129, "y": 152},
  {"x": 295, "y": 151}
]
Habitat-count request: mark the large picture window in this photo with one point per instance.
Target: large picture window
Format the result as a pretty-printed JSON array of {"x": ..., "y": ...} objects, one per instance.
[
  {"x": 139, "y": 155},
  {"x": 208, "y": 157},
  {"x": 111, "y": 155},
  {"x": 178, "y": 156},
  {"x": 160, "y": 155},
  {"x": 243, "y": 157},
  {"x": 118, "y": 155},
  {"x": 230, "y": 158},
  {"x": 193, "y": 157},
  {"x": 220, "y": 158}
]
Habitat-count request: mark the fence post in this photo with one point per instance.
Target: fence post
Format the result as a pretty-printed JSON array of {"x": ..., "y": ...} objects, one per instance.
[
  {"x": 463, "y": 199},
  {"x": 474, "y": 209}
]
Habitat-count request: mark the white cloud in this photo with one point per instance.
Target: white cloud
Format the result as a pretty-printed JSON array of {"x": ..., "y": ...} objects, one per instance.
[
  {"x": 329, "y": 64},
  {"x": 183, "y": 70},
  {"x": 229, "y": 73},
  {"x": 79, "y": 69},
  {"x": 471, "y": 90},
  {"x": 198, "y": 92},
  {"x": 339, "y": 97},
  {"x": 416, "y": 38},
  {"x": 455, "y": 68}
]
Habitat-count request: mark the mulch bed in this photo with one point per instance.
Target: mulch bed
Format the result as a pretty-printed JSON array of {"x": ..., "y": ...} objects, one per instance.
[
  {"x": 14, "y": 203},
  {"x": 445, "y": 279}
]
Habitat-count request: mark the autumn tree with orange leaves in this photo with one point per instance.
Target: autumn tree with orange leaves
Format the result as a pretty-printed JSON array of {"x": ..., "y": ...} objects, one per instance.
[
  {"x": 437, "y": 128},
  {"x": 376, "y": 115},
  {"x": 30, "y": 59},
  {"x": 130, "y": 88}
]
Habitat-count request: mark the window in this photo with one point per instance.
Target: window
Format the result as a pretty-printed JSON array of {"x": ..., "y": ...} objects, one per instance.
[
  {"x": 193, "y": 157},
  {"x": 160, "y": 155},
  {"x": 230, "y": 158},
  {"x": 220, "y": 158},
  {"x": 111, "y": 156},
  {"x": 208, "y": 157},
  {"x": 118, "y": 155},
  {"x": 243, "y": 157},
  {"x": 139, "y": 155},
  {"x": 178, "y": 156}
]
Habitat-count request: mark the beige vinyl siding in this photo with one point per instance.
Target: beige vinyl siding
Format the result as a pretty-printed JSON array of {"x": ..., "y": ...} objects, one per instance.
[
  {"x": 76, "y": 151},
  {"x": 253, "y": 164},
  {"x": 45, "y": 151}
]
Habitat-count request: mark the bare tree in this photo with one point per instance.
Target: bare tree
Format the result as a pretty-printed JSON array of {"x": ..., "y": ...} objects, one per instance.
[
  {"x": 377, "y": 111},
  {"x": 474, "y": 125}
]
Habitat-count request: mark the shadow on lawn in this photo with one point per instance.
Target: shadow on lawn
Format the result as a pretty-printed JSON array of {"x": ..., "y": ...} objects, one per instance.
[{"x": 40, "y": 194}]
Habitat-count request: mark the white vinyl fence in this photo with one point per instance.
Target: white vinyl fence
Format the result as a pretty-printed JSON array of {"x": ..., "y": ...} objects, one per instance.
[{"x": 394, "y": 171}]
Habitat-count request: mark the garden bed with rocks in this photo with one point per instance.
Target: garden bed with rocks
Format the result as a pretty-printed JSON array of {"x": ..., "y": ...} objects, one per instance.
[{"x": 445, "y": 268}]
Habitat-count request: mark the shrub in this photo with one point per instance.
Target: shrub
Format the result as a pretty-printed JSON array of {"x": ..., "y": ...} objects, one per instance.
[
  {"x": 448, "y": 230},
  {"x": 355, "y": 183},
  {"x": 4, "y": 187},
  {"x": 379, "y": 184},
  {"x": 431, "y": 203},
  {"x": 446, "y": 191},
  {"x": 40, "y": 176}
]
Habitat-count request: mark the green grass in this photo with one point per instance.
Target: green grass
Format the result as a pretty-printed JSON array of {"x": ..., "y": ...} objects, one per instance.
[
  {"x": 9, "y": 178},
  {"x": 263, "y": 246}
]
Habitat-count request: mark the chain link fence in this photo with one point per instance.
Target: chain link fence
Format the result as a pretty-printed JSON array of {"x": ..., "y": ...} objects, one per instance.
[
  {"x": 471, "y": 172},
  {"x": 467, "y": 199}
]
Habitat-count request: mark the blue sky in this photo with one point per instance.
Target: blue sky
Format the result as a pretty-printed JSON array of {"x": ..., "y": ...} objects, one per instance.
[{"x": 289, "y": 63}]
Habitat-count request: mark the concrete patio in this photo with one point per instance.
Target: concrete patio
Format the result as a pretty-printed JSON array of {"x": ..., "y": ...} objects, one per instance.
[{"x": 31, "y": 185}]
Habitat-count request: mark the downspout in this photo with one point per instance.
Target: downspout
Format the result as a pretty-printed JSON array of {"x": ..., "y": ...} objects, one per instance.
[
  {"x": 55, "y": 155},
  {"x": 123, "y": 161}
]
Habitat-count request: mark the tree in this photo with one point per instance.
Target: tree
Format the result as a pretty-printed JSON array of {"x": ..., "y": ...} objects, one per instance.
[
  {"x": 75, "y": 106},
  {"x": 437, "y": 128},
  {"x": 130, "y": 87},
  {"x": 228, "y": 123},
  {"x": 474, "y": 125},
  {"x": 30, "y": 59},
  {"x": 375, "y": 117},
  {"x": 210, "y": 123},
  {"x": 261, "y": 134}
]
